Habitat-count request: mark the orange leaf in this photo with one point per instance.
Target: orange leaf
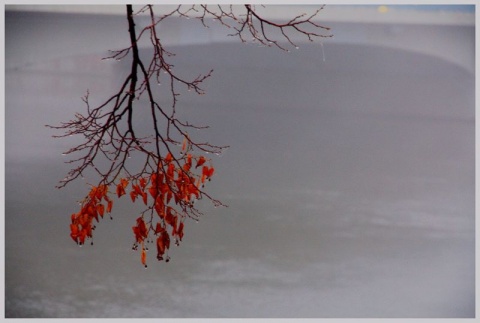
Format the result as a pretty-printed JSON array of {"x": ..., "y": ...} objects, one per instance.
[
  {"x": 144, "y": 257},
  {"x": 101, "y": 209},
  {"x": 205, "y": 173},
  {"x": 93, "y": 192},
  {"x": 124, "y": 182},
  {"x": 200, "y": 161},
  {"x": 109, "y": 206},
  {"x": 82, "y": 235},
  {"x": 186, "y": 167},
  {"x": 74, "y": 232},
  {"x": 102, "y": 191},
  {"x": 92, "y": 211},
  {"x": 184, "y": 145}
]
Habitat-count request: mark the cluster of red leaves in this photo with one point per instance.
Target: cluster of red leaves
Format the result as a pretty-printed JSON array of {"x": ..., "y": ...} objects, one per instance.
[
  {"x": 170, "y": 187},
  {"x": 81, "y": 227}
]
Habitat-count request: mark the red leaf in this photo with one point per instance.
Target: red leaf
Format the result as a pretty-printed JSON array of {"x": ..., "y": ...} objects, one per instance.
[
  {"x": 159, "y": 229},
  {"x": 82, "y": 235},
  {"x": 153, "y": 191},
  {"x": 143, "y": 183},
  {"x": 170, "y": 171},
  {"x": 166, "y": 240},
  {"x": 180, "y": 231},
  {"x": 160, "y": 247},
  {"x": 120, "y": 190},
  {"x": 200, "y": 161},
  {"x": 137, "y": 189},
  {"x": 92, "y": 211},
  {"x": 163, "y": 243},
  {"x": 210, "y": 172},
  {"x": 140, "y": 230},
  {"x": 168, "y": 158},
  {"x": 192, "y": 189},
  {"x": 160, "y": 207},
  {"x": 109, "y": 206},
  {"x": 186, "y": 167},
  {"x": 205, "y": 170},
  {"x": 74, "y": 232},
  {"x": 170, "y": 218},
  {"x": 133, "y": 195},
  {"x": 101, "y": 209}
]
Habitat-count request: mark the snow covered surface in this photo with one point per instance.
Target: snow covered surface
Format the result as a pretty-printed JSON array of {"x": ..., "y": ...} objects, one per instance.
[{"x": 349, "y": 180}]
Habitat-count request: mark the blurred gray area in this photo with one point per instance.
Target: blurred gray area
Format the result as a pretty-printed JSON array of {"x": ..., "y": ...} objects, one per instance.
[{"x": 349, "y": 180}]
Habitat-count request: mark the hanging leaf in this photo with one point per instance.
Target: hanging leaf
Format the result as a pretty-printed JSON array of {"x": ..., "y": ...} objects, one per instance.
[
  {"x": 184, "y": 144},
  {"x": 140, "y": 230},
  {"x": 144, "y": 257},
  {"x": 120, "y": 190},
  {"x": 200, "y": 161},
  {"x": 180, "y": 231},
  {"x": 109, "y": 206},
  {"x": 160, "y": 247},
  {"x": 133, "y": 195},
  {"x": 143, "y": 183},
  {"x": 100, "y": 209}
]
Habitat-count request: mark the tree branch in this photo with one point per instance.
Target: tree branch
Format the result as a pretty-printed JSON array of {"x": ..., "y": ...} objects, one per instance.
[{"x": 174, "y": 170}]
